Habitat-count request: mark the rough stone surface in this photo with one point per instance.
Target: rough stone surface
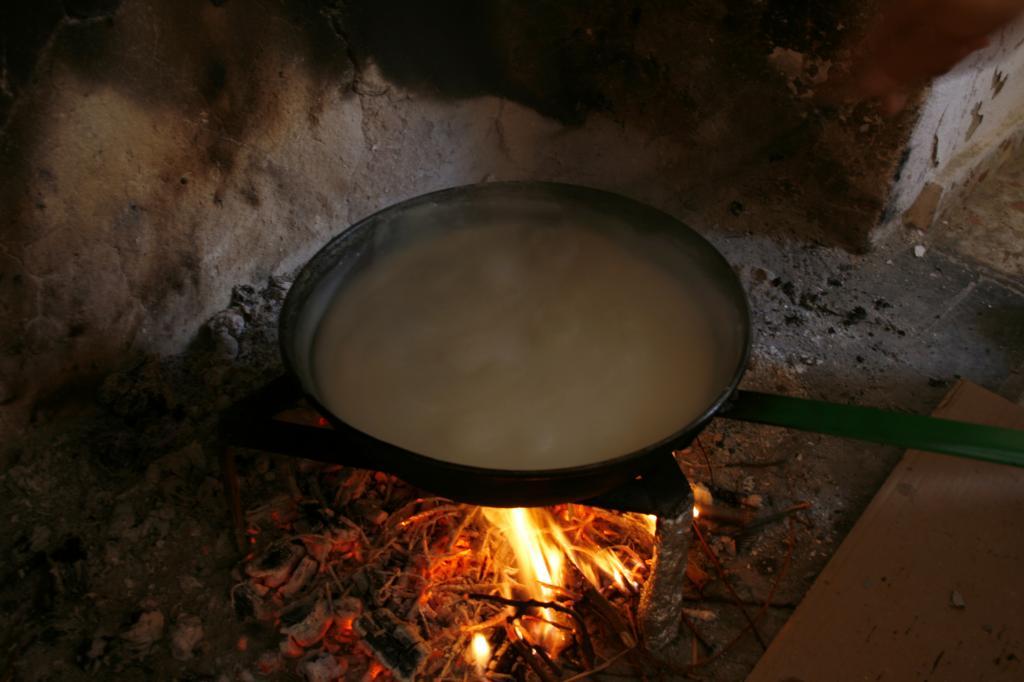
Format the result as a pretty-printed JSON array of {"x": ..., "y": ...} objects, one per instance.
[
  {"x": 969, "y": 124},
  {"x": 158, "y": 153}
]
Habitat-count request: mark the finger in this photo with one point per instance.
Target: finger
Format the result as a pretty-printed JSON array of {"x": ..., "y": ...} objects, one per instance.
[{"x": 894, "y": 103}]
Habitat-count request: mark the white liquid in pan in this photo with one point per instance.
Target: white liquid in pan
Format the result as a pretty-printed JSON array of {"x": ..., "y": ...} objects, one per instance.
[{"x": 516, "y": 348}]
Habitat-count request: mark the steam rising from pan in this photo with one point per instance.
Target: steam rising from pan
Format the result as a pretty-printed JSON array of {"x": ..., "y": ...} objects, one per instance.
[{"x": 529, "y": 343}]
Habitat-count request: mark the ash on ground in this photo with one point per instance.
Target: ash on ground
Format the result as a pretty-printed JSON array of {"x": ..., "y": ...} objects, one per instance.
[{"x": 122, "y": 557}]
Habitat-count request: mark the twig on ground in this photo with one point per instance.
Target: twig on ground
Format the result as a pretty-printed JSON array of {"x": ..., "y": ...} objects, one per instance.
[
  {"x": 725, "y": 580},
  {"x": 754, "y": 464},
  {"x": 791, "y": 543},
  {"x": 707, "y": 460},
  {"x": 598, "y": 668}
]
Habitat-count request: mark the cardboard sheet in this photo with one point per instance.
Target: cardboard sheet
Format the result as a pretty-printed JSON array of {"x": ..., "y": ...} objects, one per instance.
[{"x": 929, "y": 584}]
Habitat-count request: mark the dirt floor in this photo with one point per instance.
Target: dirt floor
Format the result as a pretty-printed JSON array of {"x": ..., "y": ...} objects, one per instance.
[{"x": 121, "y": 556}]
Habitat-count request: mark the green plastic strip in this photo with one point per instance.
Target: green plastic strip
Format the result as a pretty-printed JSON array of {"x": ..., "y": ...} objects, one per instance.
[{"x": 988, "y": 443}]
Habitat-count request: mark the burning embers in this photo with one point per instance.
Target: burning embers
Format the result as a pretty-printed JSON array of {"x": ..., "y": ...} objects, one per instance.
[
  {"x": 375, "y": 581},
  {"x": 551, "y": 563}
]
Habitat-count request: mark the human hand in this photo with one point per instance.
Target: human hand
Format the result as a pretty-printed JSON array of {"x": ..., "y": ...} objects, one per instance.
[{"x": 912, "y": 41}]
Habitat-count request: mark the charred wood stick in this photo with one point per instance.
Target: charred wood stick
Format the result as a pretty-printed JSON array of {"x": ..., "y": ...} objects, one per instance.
[
  {"x": 603, "y": 666},
  {"x": 547, "y": 621},
  {"x": 498, "y": 642},
  {"x": 428, "y": 514},
  {"x": 586, "y": 646},
  {"x": 522, "y": 605},
  {"x": 547, "y": 659},
  {"x": 724, "y": 515},
  {"x": 525, "y": 604},
  {"x": 593, "y": 598},
  {"x": 707, "y": 460},
  {"x": 528, "y": 655},
  {"x": 776, "y": 516},
  {"x": 457, "y": 533},
  {"x": 395, "y": 644},
  {"x": 746, "y": 519},
  {"x": 604, "y": 609},
  {"x": 504, "y": 658}
]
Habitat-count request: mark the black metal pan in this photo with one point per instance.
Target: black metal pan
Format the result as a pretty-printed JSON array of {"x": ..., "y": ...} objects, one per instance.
[{"x": 334, "y": 266}]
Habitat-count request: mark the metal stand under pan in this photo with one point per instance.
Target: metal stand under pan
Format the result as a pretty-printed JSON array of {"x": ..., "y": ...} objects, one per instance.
[{"x": 300, "y": 432}]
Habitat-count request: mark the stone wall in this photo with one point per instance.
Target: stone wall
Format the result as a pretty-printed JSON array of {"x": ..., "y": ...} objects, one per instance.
[
  {"x": 971, "y": 122},
  {"x": 158, "y": 153}
]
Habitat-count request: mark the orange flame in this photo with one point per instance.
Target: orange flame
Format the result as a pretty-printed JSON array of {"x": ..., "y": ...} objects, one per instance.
[
  {"x": 543, "y": 557},
  {"x": 479, "y": 653},
  {"x": 539, "y": 562}
]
